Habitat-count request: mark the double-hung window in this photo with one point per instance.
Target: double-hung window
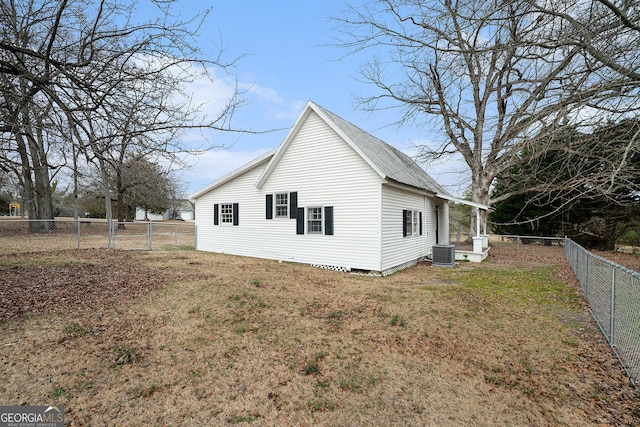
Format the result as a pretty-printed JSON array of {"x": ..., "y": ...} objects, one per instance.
[
  {"x": 226, "y": 213},
  {"x": 318, "y": 220},
  {"x": 314, "y": 220},
  {"x": 411, "y": 223},
  {"x": 282, "y": 205}
]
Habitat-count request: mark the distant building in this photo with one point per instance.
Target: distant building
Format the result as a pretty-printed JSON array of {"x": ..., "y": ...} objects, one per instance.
[{"x": 183, "y": 210}]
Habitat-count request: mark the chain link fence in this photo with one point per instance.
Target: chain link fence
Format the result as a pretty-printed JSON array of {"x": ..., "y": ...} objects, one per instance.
[
  {"x": 613, "y": 293},
  {"x": 18, "y": 235}
]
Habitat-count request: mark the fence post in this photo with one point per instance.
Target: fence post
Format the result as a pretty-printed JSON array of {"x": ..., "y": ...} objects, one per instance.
[
  {"x": 149, "y": 235},
  {"x": 613, "y": 306},
  {"x": 110, "y": 231},
  {"x": 586, "y": 277}
]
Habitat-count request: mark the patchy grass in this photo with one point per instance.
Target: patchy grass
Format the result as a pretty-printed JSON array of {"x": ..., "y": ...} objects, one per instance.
[{"x": 214, "y": 339}]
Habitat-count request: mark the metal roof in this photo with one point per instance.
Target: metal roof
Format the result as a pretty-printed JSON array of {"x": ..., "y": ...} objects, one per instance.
[{"x": 390, "y": 161}]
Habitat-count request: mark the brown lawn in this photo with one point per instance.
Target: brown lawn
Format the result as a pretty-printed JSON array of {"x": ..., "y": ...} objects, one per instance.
[{"x": 188, "y": 338}]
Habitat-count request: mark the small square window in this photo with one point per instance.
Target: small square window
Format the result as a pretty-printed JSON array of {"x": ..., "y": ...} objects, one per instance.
[
  {"x": 226, "y": 213},
  {"x": 314, "y": 220},
  {"x": 282, "y": 205}
]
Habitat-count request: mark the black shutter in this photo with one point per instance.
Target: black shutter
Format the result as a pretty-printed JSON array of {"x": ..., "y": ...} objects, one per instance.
[
  {"x": 300, "y": 221},
  {"x": 235, "y": 214},
  {"x": 216, "y": 214},
  {"x": 269, "y": 206},
  {"x": 404, "y": 222},
  {"x": 293, "y": 204},
  {"x": 328, "y": 220},
  {"x": 420, "y": 215}
]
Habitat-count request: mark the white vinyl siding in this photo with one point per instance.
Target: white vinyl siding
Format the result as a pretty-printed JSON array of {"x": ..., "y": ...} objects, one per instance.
[
  {"x": 231, "y": 240},
  {"x": 325, "y": 171},
  {"x": 429, "y": 225},
  {"x": 396, "y": 248}
]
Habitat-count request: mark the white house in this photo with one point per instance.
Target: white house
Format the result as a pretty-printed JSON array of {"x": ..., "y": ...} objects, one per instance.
[
  {"x": 182, "y": 209},
  {"x": 330, "y": 195}
]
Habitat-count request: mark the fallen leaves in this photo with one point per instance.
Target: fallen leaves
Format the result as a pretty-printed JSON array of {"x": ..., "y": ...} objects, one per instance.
[{"x": 94, "y": 282}]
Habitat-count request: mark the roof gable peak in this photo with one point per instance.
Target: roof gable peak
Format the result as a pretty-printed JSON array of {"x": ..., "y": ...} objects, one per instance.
[{"x": 387, "y": 161}]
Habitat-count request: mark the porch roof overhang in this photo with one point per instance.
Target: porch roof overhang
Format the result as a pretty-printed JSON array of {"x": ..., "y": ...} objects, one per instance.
[
  {"x": 478, "y": 206},
  {"x": 464, "y": 202}
]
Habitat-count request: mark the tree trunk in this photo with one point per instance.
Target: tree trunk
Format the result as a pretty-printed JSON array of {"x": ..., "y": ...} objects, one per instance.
[
  {"x": 106, "y": 189},
  {"x": 120, "y": 210},
  {"x": 480, "y": 184},
  {"x": 42, "y": 180},
  {"x": 28, "y": 198}
]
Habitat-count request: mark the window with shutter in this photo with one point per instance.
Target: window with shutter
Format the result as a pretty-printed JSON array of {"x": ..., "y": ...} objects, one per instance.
[
  {"x": 226, "y": 214},
  {"x": 411, "y": 223}
]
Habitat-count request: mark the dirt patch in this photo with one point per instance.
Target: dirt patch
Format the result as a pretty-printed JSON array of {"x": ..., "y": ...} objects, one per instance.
[
  {"x": 61, "y": 288},
  {"x": 185, "y": 338}
]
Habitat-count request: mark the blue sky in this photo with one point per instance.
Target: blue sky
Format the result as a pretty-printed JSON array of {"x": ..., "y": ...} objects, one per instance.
[{"x": 289, "y": 56}]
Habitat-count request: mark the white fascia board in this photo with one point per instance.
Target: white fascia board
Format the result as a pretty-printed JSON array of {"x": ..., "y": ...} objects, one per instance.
[
  {"x": 464, "y": 202},
  {"x": 231, "y": 175}
]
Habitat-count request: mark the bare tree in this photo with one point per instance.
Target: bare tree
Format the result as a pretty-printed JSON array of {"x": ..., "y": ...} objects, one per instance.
[
  {"x": 497, "y": 78},
  {"x": 113, "y": 81}
]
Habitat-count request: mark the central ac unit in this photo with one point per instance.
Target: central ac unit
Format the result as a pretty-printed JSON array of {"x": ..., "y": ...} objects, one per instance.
[{"x": 444, "y": 255}]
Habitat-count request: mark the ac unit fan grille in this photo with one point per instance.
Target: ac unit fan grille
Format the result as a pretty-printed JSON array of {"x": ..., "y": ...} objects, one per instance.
[{"x": 444, "y": 255}]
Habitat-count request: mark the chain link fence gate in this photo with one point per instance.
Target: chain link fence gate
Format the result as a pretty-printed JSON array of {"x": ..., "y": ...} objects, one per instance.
[{"x": 613, "y": 293}]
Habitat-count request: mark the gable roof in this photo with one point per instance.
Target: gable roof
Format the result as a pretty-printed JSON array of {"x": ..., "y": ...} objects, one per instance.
[{"x": 388, "y": 162}]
